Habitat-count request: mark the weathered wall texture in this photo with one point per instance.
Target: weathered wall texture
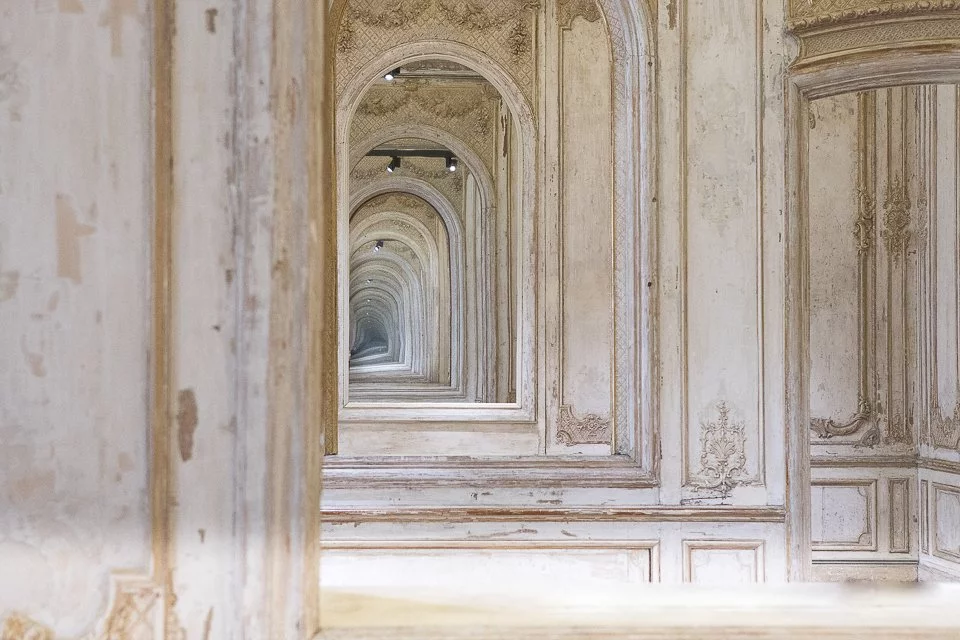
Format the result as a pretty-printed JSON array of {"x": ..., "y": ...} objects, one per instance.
[
  {"x": 882, "y": 183},
  {"x": 75, "y": 189},
  {"x": 682, "y": 354}
]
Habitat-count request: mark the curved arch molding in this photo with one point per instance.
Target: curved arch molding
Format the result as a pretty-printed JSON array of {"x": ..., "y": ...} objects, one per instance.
[{"x": 835, "y": 30}]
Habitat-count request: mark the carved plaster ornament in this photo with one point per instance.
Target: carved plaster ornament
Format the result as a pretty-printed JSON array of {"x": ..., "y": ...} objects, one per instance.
[
  {"x": 723, "y": 457},
  {"x": 896, "y": 219},
  {"x": 465, "y": 111},
  {"x": 588, "y": 429},
  {"x": 569, "y": 10},
  {"x": 865, "y": 417},
  {"x": 863, "y": 227},
  {"x": 946, "y": 429},
  {"x": 503, "y": 29},
  {"x": 809, "y": 14}
]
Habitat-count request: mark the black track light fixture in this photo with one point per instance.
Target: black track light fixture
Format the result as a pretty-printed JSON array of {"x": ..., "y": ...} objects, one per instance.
[
  {"x": 452, "y": 163},
  {"x": 394, "y": 164},
  {"x": 392, "y": 75}
]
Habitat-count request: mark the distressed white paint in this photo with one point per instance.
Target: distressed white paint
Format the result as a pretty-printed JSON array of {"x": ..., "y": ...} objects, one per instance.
[{"x": 74, "y": 309}]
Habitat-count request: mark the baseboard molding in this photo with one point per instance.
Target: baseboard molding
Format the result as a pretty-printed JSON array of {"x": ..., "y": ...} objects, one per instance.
[
  {"x": 866, "y": 570},
  {"x": 928, "y": 572}
]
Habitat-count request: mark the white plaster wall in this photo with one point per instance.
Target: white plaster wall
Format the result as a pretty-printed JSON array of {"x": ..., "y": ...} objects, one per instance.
[{"x": 75, "y": 224}]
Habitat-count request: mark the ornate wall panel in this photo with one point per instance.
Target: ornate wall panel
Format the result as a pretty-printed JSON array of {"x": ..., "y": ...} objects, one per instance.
[
  {"x": 585, "y": 236},
  {"x": 863, "y": 332},
  {"x": 939, "y": 276},
  {"x": 723, "y": 561},
  {"x": 945, "y": 526},
  {"x": 722, "y": 207},
  {"x": 845, "y": 515}
]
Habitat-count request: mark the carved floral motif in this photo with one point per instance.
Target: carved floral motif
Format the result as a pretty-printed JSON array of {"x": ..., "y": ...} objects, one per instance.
[
  {"x": 896, "y": 219},
  {"x": 588, "y": 429},
  {"x": 723, "y": 458}
]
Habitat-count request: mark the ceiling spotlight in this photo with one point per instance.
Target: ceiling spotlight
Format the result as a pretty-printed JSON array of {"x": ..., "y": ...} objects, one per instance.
[
  {"x": 378, "y": 246},
  {"x": 391, "y": 75},
  {"x": 452, "y": 163},
  {"x": 394, "y": 164}
]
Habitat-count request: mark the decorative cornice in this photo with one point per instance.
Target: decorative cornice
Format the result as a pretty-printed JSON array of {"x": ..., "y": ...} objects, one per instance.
[
  {"x": 812, "y": 14},
  {"x": 589, "y": 429},
  {"x": 864, "y": 461},
  {"x": 555, "y": 514}
]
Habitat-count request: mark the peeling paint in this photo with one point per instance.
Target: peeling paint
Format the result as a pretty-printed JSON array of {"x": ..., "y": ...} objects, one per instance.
[
  {"x": 208, "y": 624},
  {"x": 125, "y": 462},
  {"x": 34, "y": 360},
  {"x": 70, "y": 6},
  {"x": 211, "y": 15},
  {"x": 672, "y": 14},
  {"x": 186, "y": 422},
  {"x": 69, "y": 232},
  {"x": 113, "y": 18},
  {"x": 33, "y": 486},
  {"x": 203, "y": 535},
  {"x": 9, "y": 282}
]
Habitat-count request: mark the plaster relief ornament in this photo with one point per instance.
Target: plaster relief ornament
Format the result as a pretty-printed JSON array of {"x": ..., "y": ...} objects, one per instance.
[
  {"x": 502, "y": 29},
  {"x": 896, "y": 217},
  {"x": 723, "y": 457},
  {"x": 589, "y": 429},
  {"x": 946, "y": 429},
  {"x": 569, "y": 10}
]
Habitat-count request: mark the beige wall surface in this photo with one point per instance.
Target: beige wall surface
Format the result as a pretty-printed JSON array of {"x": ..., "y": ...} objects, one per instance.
[{"x": 706, "y": 187}]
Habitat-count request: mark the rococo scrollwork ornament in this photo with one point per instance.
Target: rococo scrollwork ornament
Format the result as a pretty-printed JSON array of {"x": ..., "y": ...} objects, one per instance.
[
  {"x": 864, "y": 417},
  {"x": 587, "y": 429},
  {"x": 863, "y": 227},
  {"x": 569, "y": 10},
  {"x": 723, "y": 458},
  {"x": 946, "y": 429}
]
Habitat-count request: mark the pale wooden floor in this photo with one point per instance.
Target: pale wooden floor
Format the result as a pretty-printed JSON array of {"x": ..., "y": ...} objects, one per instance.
[{"x": 814, "y": 610}]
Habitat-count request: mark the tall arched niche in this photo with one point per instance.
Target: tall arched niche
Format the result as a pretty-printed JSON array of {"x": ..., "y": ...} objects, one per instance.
[{"x": 611, "y": 408}]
